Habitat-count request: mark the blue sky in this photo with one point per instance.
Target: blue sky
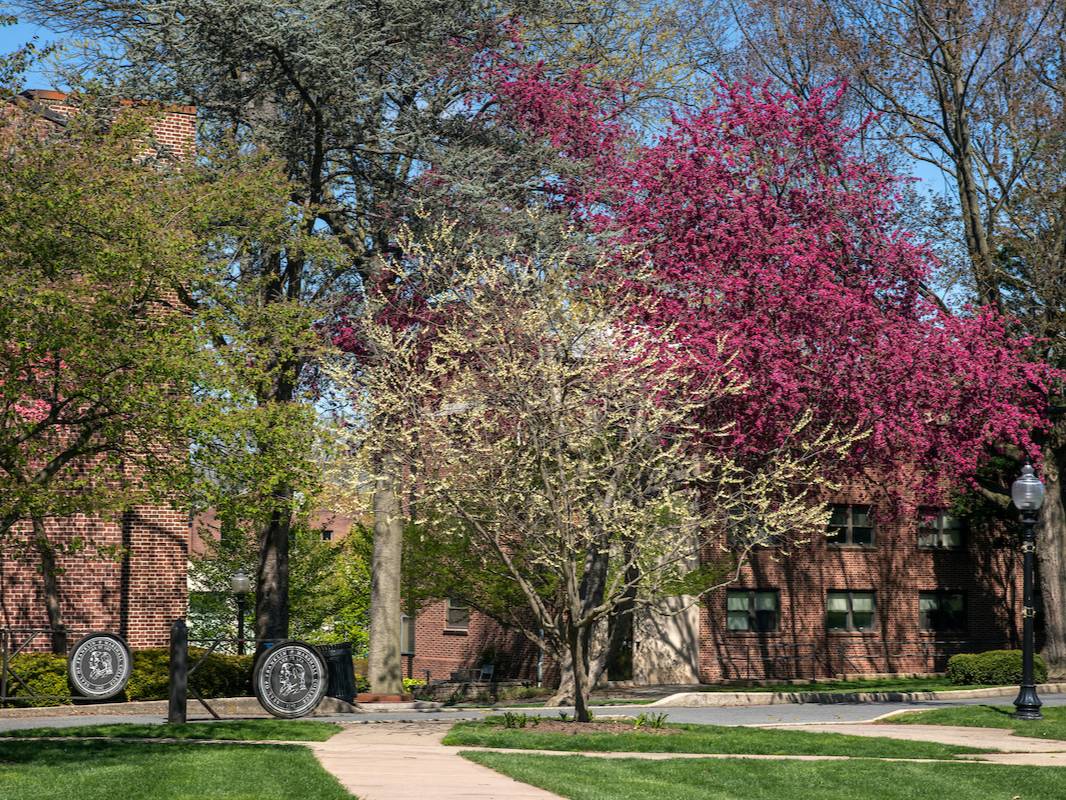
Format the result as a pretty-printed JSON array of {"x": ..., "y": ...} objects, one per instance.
[{"x": 15, "y": 35}]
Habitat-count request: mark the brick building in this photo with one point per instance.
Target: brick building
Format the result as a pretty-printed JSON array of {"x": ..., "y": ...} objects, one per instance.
[
  {"x": 879, "y": 594},
  {"x": 140, "y": 591}
]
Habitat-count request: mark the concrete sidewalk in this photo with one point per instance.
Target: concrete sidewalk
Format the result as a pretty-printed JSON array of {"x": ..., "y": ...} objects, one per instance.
[{"x": 406, "y": 761}]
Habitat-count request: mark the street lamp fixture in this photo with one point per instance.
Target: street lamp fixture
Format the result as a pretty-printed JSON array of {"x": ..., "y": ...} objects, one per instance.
[
  {"x": 1028, "y": 495},
  {"x": 240, "y": 584}
]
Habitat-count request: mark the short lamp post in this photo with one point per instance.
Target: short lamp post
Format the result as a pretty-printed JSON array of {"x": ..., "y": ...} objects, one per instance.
[
  {"x": 1028, "y": 495},
  {"x": 240, "y": 585}
]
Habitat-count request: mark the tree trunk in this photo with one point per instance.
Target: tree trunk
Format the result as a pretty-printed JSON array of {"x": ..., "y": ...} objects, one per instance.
[
  {"x": 50, "y": 582},
  {"x": 1051, "y": 552},
  {"x": 578, "y": 638},
  {"x": 385, "y": 665},
  {"x": 564, "y": 693},
  {"x": 272, "y": 580}
]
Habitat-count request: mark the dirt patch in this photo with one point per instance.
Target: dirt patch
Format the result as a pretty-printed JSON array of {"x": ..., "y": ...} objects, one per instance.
[{"x": 581, "y": 728}]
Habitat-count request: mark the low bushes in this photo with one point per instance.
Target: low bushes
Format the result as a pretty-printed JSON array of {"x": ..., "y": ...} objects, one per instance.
[
  {"x": 992, "y": 667},
  {"x": 219, "y": 675}
]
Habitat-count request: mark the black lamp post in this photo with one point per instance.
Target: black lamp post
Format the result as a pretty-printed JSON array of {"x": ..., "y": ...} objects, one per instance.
[
  {"x": 1028, "y": 495},
  {"x": 240, "y": 585}
]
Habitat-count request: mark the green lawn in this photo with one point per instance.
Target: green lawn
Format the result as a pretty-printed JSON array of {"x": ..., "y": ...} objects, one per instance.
[
  {"x": 236, "y": 730},
  {"x": 582, "y": 778},
  {"x": 152, "y": 771},
  {"x": 697, "y": 739},
  {"x": 1052, "y": 726}
]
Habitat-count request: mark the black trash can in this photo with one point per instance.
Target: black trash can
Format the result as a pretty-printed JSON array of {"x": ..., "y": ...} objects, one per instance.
[{"x": 338, "y": 658}]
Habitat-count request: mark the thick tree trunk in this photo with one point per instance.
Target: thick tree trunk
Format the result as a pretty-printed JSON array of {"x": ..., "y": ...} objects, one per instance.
[
  {"x": 272, "y": 580},
  {"x": 564, "y": 693},
  {"x": 50, "y": 582},
  {"x": 1051, "y": 552},
  {"x": 385, "y": 666}
]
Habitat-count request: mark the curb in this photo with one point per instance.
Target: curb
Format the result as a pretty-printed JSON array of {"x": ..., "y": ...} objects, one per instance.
[
  {"x": 727, "y": 699},
  {"x": 227, "y": 706}
]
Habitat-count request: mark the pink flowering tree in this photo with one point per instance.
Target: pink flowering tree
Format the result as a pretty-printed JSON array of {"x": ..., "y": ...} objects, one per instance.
[
  {"x": 766, "y": 227},
  {"x": 776, "y": 254}
]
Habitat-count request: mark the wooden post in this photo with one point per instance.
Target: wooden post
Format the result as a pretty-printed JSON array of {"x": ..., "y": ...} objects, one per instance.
[{"x": 179, "y": 672}]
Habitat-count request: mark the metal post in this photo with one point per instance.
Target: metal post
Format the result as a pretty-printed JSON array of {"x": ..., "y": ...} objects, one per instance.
[
  {"x": 241, "y": 610},
  {"x": 1027, "y": 704},
  {"x": 179, "y": 672}
]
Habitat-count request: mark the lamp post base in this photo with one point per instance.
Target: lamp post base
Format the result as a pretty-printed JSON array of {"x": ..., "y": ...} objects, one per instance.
[{"x": 1027, "y": 704}]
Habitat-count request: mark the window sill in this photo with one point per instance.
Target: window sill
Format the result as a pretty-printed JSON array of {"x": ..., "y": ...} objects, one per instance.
[
  {"x": 835, "y": 546},
  {"x": 456, "y": 631},
  {"x": 753, "y": 634},
  {"x": 857, "y": 634}
]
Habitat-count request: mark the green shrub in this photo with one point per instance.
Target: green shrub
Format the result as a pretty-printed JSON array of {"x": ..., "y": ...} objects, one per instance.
[
  {"x": 44, "y": 674},
  {"x": 992, "y": 667},
  {"x": 220, "y": 675}
]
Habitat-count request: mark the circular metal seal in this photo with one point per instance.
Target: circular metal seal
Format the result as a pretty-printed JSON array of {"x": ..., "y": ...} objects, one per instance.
[
  {"x": 99, "y": 665},
  {"x": 290, "y": 679}
]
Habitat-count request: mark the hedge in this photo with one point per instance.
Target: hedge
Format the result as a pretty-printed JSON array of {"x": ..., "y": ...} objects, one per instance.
[
  {"x": 219, "y": 675},
  {"x": 993, "y": 667}
]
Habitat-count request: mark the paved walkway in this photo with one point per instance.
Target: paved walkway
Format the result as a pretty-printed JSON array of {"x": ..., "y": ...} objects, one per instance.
[{"x": 407, "y": 762}]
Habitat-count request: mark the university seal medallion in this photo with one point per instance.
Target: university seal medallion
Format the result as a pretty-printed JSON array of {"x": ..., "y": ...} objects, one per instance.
[
  {"x": 290, "y": 679},
  {"x": 99, "y": 666}
]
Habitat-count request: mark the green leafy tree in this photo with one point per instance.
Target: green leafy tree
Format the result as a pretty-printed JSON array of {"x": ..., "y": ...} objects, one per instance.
[{"x": 361, "y": 103}]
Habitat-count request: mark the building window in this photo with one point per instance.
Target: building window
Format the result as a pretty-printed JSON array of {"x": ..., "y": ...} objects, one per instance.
[
  {"x": 943, "y": 612},
  {"x": 939, "y": 530},
  {"x": 327, "y": 535},
  {"x": 850, "y": 611},
  {"x": 457, "y": 616},
  {"x": 752, "y": 610},
  {"x": 851, "y": 525},
  {"x": 407, "y": 635}
]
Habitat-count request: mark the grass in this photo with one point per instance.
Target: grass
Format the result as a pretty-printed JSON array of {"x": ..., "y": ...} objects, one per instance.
[
  {"x": 1052, "y": 726},
  {"x": 581, "y": 778},
  {"x": 698, "y": 739},
  {"x": 152, "y": 771},
  {"x": 235, "y": 730}
]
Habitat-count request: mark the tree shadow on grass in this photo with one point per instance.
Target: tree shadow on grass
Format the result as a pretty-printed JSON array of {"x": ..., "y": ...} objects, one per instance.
[{"x": 72, "y": 753}]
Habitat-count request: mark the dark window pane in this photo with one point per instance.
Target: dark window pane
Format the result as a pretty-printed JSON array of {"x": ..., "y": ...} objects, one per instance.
[
  {"x": 837, "y": 610},
  {"x": 863, "y": 536},
  {"x": 837, "y": 620},
  {"x": 766, "y": 620},
  {"x": 839, "y": 516},
  {"x": 862, "y": 610},
  {"x": 458, "y": 615}
]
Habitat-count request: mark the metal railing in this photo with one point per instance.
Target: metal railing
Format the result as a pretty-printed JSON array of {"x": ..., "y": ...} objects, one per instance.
[{"x": 25, "y": 640}]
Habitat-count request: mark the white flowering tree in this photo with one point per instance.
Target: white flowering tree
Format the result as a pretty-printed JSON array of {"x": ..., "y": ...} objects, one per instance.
[{"x": 544, "y": 446}]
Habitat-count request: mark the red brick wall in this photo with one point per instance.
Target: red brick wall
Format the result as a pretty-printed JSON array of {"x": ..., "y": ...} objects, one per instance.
[
  {"x": 136, "y": 593},
  {"x": 175, "y": 127},
  {"x": 442, "y": 651},
  {"x": 987, "y": 570},
  {"x": 130, "y": 578}
]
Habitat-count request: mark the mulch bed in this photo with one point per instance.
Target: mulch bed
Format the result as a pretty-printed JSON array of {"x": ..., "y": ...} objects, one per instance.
[{"x": 580, "y": 728}]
